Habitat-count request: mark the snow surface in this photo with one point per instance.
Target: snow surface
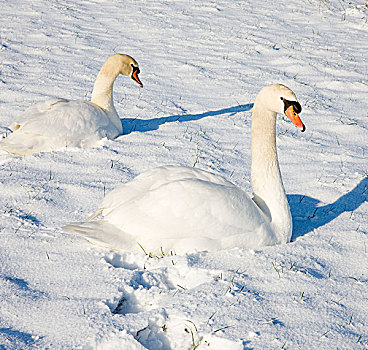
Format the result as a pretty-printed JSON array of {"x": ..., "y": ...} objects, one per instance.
[{"x": 202, "y": 64}]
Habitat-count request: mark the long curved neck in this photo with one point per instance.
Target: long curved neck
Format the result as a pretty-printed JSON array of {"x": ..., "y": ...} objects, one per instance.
[
  {"x": 268, "y": 189},
  {"x": 102, "y": 94}
]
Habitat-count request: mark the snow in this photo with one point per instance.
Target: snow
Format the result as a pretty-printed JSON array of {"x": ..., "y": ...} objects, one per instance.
[{"x": 202, "y": 64}]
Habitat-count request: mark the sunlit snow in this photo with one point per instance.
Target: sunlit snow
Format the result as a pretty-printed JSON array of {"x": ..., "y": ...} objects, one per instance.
[{"x": 202, "y": 64}]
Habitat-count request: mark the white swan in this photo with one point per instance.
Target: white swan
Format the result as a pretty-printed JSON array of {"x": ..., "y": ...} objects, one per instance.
[
  {"x": 58, "y": 123},
  {"x": 186, "y": 209}
]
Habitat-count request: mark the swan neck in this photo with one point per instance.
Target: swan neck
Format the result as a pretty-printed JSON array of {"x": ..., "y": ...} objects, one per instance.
[
  {"x": 102, "y": 93},
  {"x": 268, "y": 189}
]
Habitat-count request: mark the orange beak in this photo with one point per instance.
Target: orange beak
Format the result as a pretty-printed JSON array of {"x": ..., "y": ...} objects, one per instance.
[
  {"x": 295, "y": 119},
  {"x": 136, "y": 79}
]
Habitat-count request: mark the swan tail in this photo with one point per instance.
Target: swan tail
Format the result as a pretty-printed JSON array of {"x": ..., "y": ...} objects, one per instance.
[
  {"x": 22, "y": 144},
  {"x": 94, "y": 215},
  {"x": 101, "y": 233},
  {"x": 3, "y": 151},
  {"x": 11, "y": 148}
]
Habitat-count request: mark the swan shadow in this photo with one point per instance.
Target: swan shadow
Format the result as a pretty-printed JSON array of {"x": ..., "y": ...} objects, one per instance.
[
  {"x": 20, "y": 283},
  {"x": 308, "y": 215},
  {"x": 141, "y": 125},
  {"x": 16, "y": 337}
]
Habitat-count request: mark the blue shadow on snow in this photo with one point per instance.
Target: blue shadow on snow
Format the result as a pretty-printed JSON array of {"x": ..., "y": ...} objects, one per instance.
[
  {"x": 308, "y": 215},
  {"x": 16, "y": 337},
  {"x": 19, "y": 282},
  {"x": 134, "y": 124}
]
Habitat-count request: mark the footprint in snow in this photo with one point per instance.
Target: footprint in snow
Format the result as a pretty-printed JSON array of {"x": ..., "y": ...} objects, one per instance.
[
  {"x": 166, "y": 332},
  {"x": 151, "y": 278},
  {"x": 146, "y": 285}
]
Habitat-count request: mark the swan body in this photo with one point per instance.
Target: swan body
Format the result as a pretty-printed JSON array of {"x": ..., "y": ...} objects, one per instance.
[
  {"x": 57, "y": 123},
  {"x": 183, "y": 209}
]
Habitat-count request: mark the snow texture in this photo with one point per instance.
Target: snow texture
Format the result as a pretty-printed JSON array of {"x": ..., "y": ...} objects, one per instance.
[{"x": 202, "y": 64}]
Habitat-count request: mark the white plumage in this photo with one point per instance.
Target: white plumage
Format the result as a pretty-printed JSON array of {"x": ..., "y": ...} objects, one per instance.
[
  {"x": 57, "y": 123},
  {"x": 184, "y": 209}
]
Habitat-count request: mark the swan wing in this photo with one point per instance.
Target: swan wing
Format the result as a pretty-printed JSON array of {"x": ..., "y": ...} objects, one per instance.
[
  {"x": 58, "y": 123},
  {"x": 183, "y": 215},
  {"x": 34, "y": 111},
  {"x": 75, "y": 119},
  {"x": 153, "y": 179}
]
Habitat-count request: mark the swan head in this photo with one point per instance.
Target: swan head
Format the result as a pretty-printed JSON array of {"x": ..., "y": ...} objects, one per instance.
[
  {"x": 280, "y": 99},
  {"x": 126, "y": 65}
]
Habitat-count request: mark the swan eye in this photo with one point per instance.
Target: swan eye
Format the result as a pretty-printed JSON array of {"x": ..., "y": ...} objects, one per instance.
[
  {"x": 297, "y": 107},
  {"x": 295, "y": 104},
  {"x": 135, "y": 68}
]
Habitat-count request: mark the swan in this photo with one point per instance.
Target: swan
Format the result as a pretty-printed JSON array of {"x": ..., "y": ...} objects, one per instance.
[
  {"x": 181, "y": 209},
  {"x": 57, "y": 123}
]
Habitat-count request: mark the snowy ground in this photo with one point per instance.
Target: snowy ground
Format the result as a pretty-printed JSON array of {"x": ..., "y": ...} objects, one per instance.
[{"x": 202, "y": 63}]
